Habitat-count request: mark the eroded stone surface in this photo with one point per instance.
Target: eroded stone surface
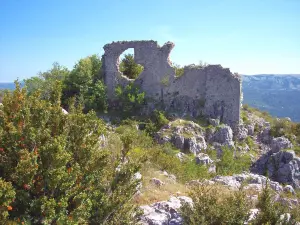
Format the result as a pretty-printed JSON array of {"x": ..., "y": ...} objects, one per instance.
[{"x": 212, "y": 90}]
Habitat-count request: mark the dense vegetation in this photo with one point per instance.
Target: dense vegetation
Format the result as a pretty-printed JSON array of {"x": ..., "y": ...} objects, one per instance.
[
  {"x": 72, "y": 168},
  {"x": 53, "y": 170}
]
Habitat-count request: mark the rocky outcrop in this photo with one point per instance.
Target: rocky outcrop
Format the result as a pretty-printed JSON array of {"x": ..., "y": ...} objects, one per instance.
[
  {"x": 224, "y": 135},
  {"x": 185, "y": 135},
  {"x": 204, "y": 159},
  {"x": 249, "y": 180},
  {"x": 165, "y": 212},
  {"x": 280, "y": 143},
  {"x": 282, "y": 166}
]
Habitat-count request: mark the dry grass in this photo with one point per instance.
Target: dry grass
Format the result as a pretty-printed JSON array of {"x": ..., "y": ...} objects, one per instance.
[{"x": 151, "y": 193}]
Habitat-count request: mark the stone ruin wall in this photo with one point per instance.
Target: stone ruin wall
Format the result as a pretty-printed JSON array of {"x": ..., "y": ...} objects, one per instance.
[{"x": 212, "y": 91}]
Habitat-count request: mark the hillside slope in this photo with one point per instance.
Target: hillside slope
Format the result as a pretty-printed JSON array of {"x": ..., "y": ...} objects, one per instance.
[{"x": 277, "y": 94}]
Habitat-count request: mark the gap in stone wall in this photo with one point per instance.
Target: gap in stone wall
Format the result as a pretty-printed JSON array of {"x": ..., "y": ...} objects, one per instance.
[{"x": 128, "y": 66}]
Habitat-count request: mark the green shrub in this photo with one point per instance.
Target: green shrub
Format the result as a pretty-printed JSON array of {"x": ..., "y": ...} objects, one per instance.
[
  {"x": 7, "y": 196},
  {"x": 270, "y": 211},
  {"x": 96, "y": 97},
  {"x": 231, "y": 163},
  {"x": 130, "y": 98},
  {"x": 249, "y": 141},
  {"x": 52, "y": 169},
  {"x": 163, "y": 157},
  {"x": 157, "y": 120},
  {"x": 213, "y": 205}
]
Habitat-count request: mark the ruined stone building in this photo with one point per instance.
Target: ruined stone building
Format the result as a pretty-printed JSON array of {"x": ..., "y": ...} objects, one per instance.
[{"x": 212, "y": 90}]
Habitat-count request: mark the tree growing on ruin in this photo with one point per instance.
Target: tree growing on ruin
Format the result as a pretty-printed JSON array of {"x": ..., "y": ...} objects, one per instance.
[{"x": 129, "y": 67}]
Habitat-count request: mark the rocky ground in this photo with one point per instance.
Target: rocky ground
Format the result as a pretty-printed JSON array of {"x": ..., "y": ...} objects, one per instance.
[{"x": 269, "y": 155}]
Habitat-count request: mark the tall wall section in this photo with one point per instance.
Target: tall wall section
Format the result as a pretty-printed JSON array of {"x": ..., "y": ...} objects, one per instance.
[{"x": 212, "y": 91}]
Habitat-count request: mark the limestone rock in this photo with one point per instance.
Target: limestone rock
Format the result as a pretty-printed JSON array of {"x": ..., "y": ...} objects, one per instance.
[
  {"x": 280, "y": 143},
  {"x": 289, "y": 189},
  {"x": 250, "y": 129},
  {"x": 185, "y": 135},
  {"x": 214, "y": 122},
  {"x": 181, "y": 156},
  {"x": 165, "y": 212},
  {"x": 242, "y": 133},
  {"x": 284, "y": 167},
  {"x": 235, "y": 181},
  {"x": 195, "y": 144},
  {"x": 224, "y": 135},
  {"x": 157, "y": 182},
  {"x": 203, "y": 159}
]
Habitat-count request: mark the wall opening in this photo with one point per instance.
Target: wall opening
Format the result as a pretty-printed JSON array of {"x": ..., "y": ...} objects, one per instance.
[{"x": 128, "y": 67}]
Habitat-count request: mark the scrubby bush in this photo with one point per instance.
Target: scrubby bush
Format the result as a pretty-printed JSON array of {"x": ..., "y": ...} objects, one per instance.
[
  {"x": 179, "y": 70},
  {"x": 270, "y": 211},
  {"x": 156, "y": 121},
  {"x": 45, "y": 81},
  {"x": 52, "y": 169},
  {"x": 130, "y": 98},
  {"x": 213, "y": 205},
  {"x": 232, "y": 162}
]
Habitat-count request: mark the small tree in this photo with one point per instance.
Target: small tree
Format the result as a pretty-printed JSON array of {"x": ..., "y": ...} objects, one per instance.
[{"x": 129, "y": 68}]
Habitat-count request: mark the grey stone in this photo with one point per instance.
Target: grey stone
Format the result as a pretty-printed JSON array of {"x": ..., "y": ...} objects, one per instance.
[
  {"x": 181, "y": 156},
  {"x": 242, "y": 133},
  {"x": 282, "y": 166},
  {"x": 185, "y": 135},
  {"x": 250, "y": 129},
  {"x": 280, "y": 143},
  {"x": 179, "y": 142},
  {"x": 157, "y": 182},
  {"x": 228, "y": 181},
  {"x": 212, "y": 90},
  {"x": 195, "y": 144},
  {"x": 224, "y": 136},
  {"x": 289, "y": 189},
  {"x": 203, "y": 159},
  {"x": 64, "y": 111},
  {"x": 249, "y": 179},
  {"x": 165, "y": 212},
  {"x": 214, "y": 122}
]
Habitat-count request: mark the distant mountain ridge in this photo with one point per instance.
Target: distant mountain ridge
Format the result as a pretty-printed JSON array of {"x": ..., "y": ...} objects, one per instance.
[
  {"x": 8, "y": 85},
  {"x": 277, "y": 94}
]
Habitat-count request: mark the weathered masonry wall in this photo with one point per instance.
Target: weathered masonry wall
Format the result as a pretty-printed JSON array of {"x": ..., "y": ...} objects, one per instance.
[{"x": 212, "y": 90}]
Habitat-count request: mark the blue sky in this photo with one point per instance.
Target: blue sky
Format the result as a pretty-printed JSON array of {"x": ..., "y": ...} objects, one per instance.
[{"x": 247, "y": 36}]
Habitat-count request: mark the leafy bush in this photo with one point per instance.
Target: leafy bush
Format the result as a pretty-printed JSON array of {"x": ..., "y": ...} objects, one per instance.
[
  {"x": 45, "y": 81},
  {"x": 213, "y": 205},
  {"x": 179, "y": 71},
  {"x": 96, "y": 97},
  {"x": 163, "y": 158},
  {"x": 85, "y": 82},
  {"x": 157, "y": 120},
  {"x": 232, "y": 163},
  {"x": 52, "y": 169},
  {"x": 130, "y": 98}
]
